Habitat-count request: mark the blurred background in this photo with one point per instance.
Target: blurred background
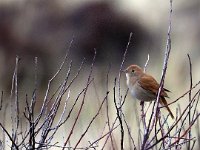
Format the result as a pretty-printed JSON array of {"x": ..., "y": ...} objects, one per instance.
[{"x": 44, "y": 29}]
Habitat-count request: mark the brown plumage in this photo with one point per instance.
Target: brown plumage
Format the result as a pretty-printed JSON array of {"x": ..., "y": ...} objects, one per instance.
[{"x": 144, "y": 87}]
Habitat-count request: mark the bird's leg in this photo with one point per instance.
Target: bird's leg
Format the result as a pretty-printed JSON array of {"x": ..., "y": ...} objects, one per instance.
[
  {"x": 143, "y": 116},
  {"x": 142, "y": 103},
  {"x": 142, "y": 110}
]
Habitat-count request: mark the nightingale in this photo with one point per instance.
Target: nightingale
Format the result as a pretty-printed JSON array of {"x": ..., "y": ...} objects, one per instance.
[{"x": 144, "y": 87}]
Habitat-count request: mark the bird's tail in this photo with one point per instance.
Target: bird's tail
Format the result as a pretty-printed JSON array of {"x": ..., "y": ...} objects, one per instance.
[{"x": 164, "y": 103}]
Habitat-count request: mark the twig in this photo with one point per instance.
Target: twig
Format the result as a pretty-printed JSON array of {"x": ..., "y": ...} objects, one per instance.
[
  {"x": 143, "y": 116},
  {"x": 107, "y": 107},
  {"x": 108, "y": 133},
  {"x": 190, "y": 96},
  {"x": 31, "y": 111},
  {"x": 121, "y": 67},
  {"x": 15, "y": 108},
  {"x": 119, "y": 117},
  {"x": 60, "y": 122},
  {"x": 129, "y": 132},
  {"x": 91, "y": 121},
  {"x": 172, "y": 127},
  {"x": 146, "y": 64},
  {"x": 188, "y": 129},
  {"x": 1, "y": 100},
  {"x": 118, "y": 109},
  {"x": 83, "y": 100},
  {"x": 50, "y": 81},
  {"x": 183, "y": 95},
  {"x": 155, "y": 106},
  {"x": 113, "y": 125},
  {"x": 10, "y": 137},
  {"x": 125, "y": 53}
]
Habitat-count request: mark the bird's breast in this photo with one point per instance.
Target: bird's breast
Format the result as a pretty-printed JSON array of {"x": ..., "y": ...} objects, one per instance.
[{"x": 141, "y": 94}]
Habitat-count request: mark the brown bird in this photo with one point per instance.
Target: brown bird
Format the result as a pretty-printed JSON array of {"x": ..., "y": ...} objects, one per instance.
[{"x": 144, "y": 87}]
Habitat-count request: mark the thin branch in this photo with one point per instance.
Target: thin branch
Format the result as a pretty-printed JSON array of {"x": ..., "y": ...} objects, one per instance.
[
  {"x": 166, "y": 58},
  {"x": 50, "y": 81},
  {"x": 10, "y": 137},
  {"x": 15, "y": 108},
  {"x": 119, "y": 117},
  {"x": 183, "y": 95},
  {"x": 121, "y": 66},
  {"x": 107, "y": 107},
  {"x": 1, "y": 100},
  {"x": 108, "y": 133},
  {"x": 129, "y": 132},
  {"x": 91, "y": 121},
  {"x": 172, "y": 127},
  {"x": 167, "y": 52},
  {"x": 83, "y": 100},
  {"x": 146, "y": 64},
  {"x": 190, "y": 96}
]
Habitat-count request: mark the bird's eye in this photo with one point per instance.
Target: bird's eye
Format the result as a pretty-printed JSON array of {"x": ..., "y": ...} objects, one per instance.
[{"x": 132, "y": 71}]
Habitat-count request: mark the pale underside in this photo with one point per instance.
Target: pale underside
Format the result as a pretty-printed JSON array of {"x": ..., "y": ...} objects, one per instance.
[
  {"x": 141, "y": 94},
  {"x": 137, "y": 91}
]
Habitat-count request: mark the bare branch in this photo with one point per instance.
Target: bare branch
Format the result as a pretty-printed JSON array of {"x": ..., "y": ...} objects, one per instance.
[
  {"x": 146, "y": 64},
  {"x": 91, "y": 121},
  {"x": 190, "y": 96},
  {"x": 83, "y": 100}
]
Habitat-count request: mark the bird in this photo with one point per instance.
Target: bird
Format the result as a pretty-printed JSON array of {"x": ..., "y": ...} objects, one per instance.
[{"x": 144, "y": 87}]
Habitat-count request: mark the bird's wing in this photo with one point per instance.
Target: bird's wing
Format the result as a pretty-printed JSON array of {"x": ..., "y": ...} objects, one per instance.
[{"x": 147, "y": 82}]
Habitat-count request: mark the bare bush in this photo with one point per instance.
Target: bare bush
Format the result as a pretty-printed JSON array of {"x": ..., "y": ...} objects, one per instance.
[{"x": 156, "y": 131}]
